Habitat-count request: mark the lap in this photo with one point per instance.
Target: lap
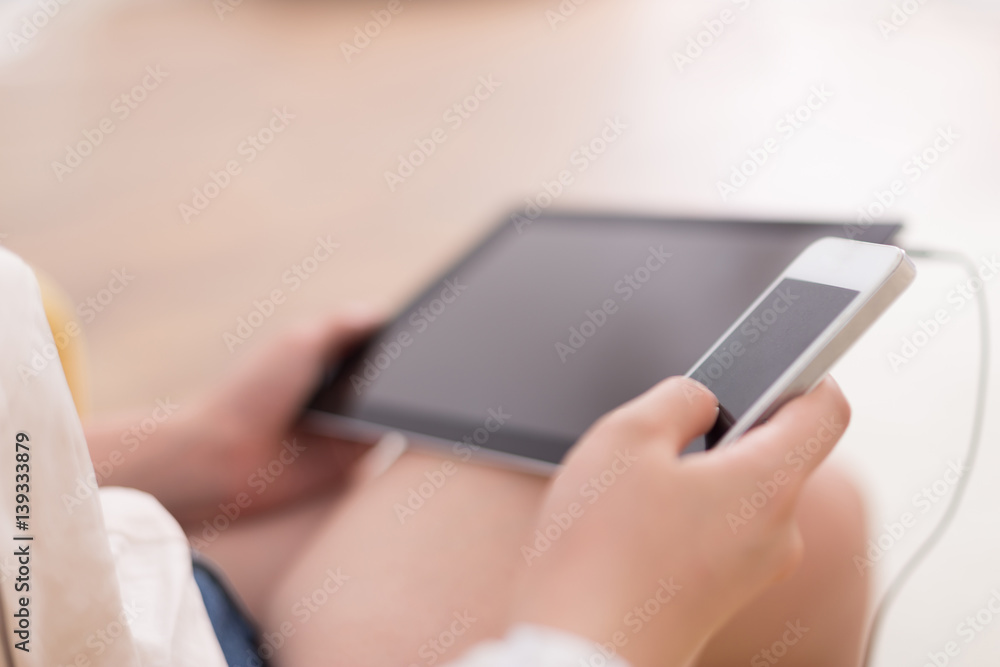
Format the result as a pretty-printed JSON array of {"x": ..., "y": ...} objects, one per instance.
[{"x": 406, "y": 571}]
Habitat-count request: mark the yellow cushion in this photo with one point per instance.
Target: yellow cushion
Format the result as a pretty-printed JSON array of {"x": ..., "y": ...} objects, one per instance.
[{"x": 72, "y": 353}]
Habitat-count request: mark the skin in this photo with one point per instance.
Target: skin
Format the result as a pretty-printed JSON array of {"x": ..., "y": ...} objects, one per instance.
[
  {"x": 462, "y": 551},
  {"x": 623, "y": 549}
]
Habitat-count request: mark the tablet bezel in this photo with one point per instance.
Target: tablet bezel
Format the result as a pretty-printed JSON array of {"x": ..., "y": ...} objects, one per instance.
[{"x": 508, "y": 446}]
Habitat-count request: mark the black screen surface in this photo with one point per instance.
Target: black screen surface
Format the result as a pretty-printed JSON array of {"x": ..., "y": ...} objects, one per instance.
[
  {"x": 539, "y": 331},
  {"x": 765, "y": 343}
]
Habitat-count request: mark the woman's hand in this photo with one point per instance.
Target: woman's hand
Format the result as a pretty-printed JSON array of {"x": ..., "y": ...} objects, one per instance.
[
  {"x": 238, "y": 443},
  {"x": 648, "y": 553}
]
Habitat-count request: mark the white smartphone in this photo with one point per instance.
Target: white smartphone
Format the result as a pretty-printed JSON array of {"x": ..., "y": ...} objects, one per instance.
[{"x": 785, "y": 343}]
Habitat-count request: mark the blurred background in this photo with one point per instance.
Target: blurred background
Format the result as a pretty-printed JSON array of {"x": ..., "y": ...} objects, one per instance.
[{"x": 201, "y": 149}]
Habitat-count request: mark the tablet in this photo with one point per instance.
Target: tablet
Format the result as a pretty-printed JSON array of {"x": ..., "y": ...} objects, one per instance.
[{"x": 540, "y": 329}]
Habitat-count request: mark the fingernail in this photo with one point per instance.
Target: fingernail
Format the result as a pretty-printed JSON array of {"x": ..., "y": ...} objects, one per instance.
[{"x": 692, "y": 388}]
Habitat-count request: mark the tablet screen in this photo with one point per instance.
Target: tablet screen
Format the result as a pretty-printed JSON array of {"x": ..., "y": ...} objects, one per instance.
[{"x": 539, "y": 331}]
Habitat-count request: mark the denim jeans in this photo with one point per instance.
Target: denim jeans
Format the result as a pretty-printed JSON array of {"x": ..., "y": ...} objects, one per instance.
[{"x": 236, "y": 632}]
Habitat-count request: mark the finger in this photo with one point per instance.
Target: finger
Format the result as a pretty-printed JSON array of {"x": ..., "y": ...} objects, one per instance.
[
  {"x": 302, "y": 350},
  {"x": 799, "y": 437},
  {"x": 329, "y": 338},
  {"x": 322, "y": 466},
  {"x": 676, "y": 411},
  {"x": 287, "y": 369}
]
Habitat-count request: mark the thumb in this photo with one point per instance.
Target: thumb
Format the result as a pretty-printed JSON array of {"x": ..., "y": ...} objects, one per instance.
[
  {"x": 278, "y": 377},
  {"x": 328, "y": 338},
  {"x": 674, "y": 412},
  {"x": 798, "y": 437}
]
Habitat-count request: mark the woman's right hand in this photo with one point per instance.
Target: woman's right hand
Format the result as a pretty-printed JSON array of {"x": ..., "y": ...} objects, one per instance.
[{"x": 648, "y": 553}]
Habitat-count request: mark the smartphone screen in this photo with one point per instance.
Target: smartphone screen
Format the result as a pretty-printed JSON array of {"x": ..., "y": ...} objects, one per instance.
[{"x": 769, "y": 340}]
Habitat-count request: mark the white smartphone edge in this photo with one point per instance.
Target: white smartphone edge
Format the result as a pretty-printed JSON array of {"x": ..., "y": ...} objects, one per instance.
[{"x": 880, "y": 273}]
